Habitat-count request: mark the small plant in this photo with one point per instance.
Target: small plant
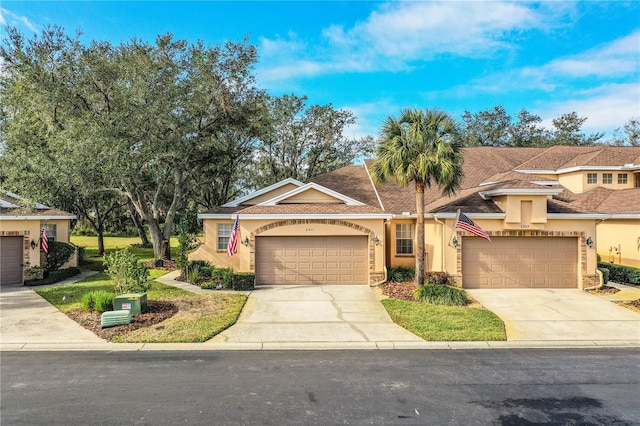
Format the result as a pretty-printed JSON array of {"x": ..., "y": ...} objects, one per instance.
[
  {"x": 225, "y": 275},
  {"x": 129, "y": 274},
  {"x": 437, "y": 278},
  {"x": 187, "y": 243},
  {"x": 59, "y": 254},
  {"x": 401, "y": 274},
  {"x": 441, "y": 295},
  {"x": 193, "y": 273},
  {"x": 214, "y": 284},
  {"x": 99, "y": 301},
  {"x": 199, "y": 263}
]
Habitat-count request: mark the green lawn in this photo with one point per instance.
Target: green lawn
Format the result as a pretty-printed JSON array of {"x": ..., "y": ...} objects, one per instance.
[
  {"x": 92, "y": 259},
  {"x": 200, "y": 316},
  {"x": 446, "y": 323}
]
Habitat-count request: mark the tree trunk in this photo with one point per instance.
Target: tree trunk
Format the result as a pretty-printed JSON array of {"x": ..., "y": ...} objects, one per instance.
[
  {"x": 100, "y": 232},
  {"x": 138, "y": 224},
  {"x": 420, "y": 234}
]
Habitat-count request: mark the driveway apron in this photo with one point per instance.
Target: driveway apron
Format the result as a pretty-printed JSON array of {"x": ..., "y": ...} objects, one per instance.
[
  {"x": 26, "y": 318},
  {"x": 314, "y": 314},
  {"x": 559, "y": 315}
]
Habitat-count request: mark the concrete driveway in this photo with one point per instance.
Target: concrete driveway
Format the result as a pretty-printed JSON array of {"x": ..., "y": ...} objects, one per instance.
[
  {"x": 560, "y": 315},
  {"x": 324, "y": 316},
  {"x": 26, "y": 318}
]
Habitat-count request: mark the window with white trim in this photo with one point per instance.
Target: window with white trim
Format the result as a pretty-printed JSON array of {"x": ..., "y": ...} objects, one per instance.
[
  {"x": 607, "y": 178},
  {"x": 224, "y": 233},
  {"x": 52, "y": 233},
  {"x": 622, "y": 178},
  {"x": 404, "y": 238},
  {"x": 592, "y": 178}
]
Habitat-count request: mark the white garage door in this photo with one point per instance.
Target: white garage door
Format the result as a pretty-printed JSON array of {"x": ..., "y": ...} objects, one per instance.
[
  {"x": 520, "y": 262},
  {"x": 311, "y": 260},
  {"x": 11, "y": 250}
]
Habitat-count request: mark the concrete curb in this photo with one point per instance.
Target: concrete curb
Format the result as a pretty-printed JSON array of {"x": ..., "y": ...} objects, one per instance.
[{"x": 314, "y": 346}]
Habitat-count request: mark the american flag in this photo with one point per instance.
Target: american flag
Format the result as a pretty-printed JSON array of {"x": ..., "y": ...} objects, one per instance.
[
  {"x": 468, "y": 225},
  {"x": 44, "y": 240},
  {"x": 232, "y": 246}
]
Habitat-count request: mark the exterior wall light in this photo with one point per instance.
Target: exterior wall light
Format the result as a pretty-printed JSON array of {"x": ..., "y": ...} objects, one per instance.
[
  {"x": 376, "y": 240},
  {"x": 455, "y": 242},
  {"x": 33, "y": 245},
  {"x": 246, "y": 241},
  {"x": 589, "y": 242}
]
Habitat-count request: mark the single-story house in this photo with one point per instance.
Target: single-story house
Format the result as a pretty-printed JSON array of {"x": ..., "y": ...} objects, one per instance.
[
  {"x": 20, "y": 233},
  {"x": 548, "y": 212}
]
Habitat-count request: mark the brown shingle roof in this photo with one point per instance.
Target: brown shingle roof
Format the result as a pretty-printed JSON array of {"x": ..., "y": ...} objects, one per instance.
[
  {"x": 353, "y": 182},
  {"x": 315, "y": 208}
]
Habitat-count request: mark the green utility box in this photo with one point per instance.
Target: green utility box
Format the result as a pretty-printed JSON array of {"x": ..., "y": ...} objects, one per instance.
[
  {"x": 136, "y": 303},
  {"x": 113, "y": 318}
]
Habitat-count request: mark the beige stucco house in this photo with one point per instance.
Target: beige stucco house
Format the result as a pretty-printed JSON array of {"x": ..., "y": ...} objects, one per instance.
[
  {"x": 548, "y": 211},
  {"x": 20, "y": 229}
]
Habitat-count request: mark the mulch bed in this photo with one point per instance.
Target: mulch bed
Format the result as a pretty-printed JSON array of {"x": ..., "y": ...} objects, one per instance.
[
  {"x": 157, "y": 311},
  {"x": 399, "y": 290},
  {"x": 604, "y": 290}
]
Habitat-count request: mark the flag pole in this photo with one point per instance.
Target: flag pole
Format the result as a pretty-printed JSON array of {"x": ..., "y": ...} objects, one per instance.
[{"x": 453, "y": 230}]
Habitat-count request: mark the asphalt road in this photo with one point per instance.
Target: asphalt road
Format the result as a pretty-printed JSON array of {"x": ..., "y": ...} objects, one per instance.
[{"x": 434, "y": 387}]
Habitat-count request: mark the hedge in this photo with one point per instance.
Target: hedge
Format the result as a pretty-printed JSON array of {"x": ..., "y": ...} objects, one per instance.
[
  {"x": 243, "y": 282},
  {"x": 621, "y": 274},
  {"x": 54, "y": 277}
]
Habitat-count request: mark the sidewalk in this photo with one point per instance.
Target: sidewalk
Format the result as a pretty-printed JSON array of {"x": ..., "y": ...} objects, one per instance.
[{"x": 30, "y": 323}]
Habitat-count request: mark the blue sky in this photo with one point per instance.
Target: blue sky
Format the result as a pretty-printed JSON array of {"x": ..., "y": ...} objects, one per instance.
[{"x": 376, "y": 58}]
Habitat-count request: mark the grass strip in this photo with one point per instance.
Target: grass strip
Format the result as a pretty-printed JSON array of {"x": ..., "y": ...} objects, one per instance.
[{"x": 446, "y": 323}]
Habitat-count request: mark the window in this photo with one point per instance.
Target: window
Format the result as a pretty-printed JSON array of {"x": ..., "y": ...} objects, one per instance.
[
  {"x": 51, "y": 232},
  {"x": 607, "y": 178},
  {"x": 404, "y": 238},
  {"x": 622, "y": 178},
  {"x": 224, "y": 232},
  {"x": 592, "y": 178},
  {"x": 637, "y": 180}
]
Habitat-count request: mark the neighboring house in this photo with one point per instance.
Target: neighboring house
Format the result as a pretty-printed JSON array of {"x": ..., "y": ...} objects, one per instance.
[
  {"x": 545, "y": 209},
  {"x": 20, "y": 228}
]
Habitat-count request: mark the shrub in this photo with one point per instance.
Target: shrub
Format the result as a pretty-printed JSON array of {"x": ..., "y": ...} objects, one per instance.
[
  {"x": 59, "y": 254},
  {"x": 206, "y": 271},
  {"x": 99, "y": 301},
  {"x": 622, "y": 274},
  {"x": 199, "y": 263},
  {"x": 54, "y": 277},
  {"x": 129, "y": 274},
  {"x": 211, "y": 285},
  {"x": 193, "y": 273},
  {"x": 243, "y": 282},
  {"x": 187, "y": 242},
  {"x": 401, "y": 273},
  {"x": 438, "y": 278},
  {"x": 223, "y": 274},
  {"x": 441, "y": 295},
  {"x": 605, "y": 275}
]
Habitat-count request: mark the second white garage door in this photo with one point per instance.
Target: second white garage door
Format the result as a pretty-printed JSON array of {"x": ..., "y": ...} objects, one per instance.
[
  {"x": 311, "y": 260},
  {"x": 550, "y": 262}
]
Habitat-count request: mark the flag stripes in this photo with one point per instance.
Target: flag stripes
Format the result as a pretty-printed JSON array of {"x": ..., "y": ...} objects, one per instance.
[
  {"x": 468, "y": 225},
  {"x": 44, "y": 240},
  {"x": 232, "y": 246}
]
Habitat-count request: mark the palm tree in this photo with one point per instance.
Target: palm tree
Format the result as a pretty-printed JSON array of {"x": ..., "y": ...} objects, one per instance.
[{"x": 423, "y": 147}]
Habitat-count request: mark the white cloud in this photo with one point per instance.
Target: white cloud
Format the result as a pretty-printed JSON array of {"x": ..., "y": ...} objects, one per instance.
[
  {"x": 606, "y": 107},
  {"x": 399, "y": 35},
  {"x": 8, "y": 18}
]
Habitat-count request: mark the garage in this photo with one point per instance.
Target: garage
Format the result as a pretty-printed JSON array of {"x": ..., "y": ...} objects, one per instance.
[
  {"x": 311, "y": 260},
  {"x": 11, "y": 252},
  {"x": 549, "y": 262}
]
